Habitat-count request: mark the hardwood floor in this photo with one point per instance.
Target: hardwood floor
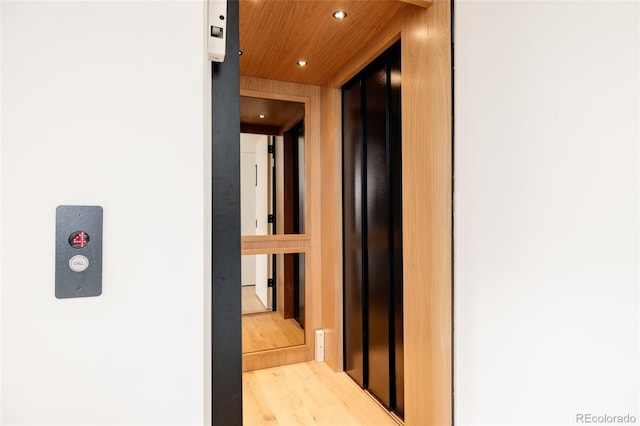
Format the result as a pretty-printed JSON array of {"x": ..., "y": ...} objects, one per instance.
[
  {"x": 309, "y": 393},
  {"x": 269, "y": 331},
  {"x": 251, "y": 304}
]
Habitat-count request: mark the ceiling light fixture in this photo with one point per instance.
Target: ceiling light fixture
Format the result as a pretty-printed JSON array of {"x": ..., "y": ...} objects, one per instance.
[
  {"x": 240, "y": 52},
  {"x": 339, "y": 14},
  {"x": 261, "y": 116},
  {"x": 302, "y": 63}
]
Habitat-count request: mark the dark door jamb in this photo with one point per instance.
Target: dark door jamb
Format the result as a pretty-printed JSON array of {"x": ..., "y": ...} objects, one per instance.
[{"x": 226, "y": 326}]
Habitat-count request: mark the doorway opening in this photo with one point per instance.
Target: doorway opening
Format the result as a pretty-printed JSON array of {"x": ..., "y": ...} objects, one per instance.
[{"x": 274, "y": 34}]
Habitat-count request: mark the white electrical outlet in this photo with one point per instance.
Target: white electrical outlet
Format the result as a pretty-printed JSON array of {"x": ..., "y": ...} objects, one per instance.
[{"x": 319, "y": 345}]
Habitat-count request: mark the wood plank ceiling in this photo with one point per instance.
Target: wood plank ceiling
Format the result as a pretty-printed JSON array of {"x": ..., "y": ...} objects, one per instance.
[{"x": 276, "y": 34}]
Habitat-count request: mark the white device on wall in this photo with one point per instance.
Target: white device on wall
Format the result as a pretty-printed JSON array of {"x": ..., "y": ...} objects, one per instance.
[
  {"x": 217, "y": 30},
  {"x": 319, "y": 345}
]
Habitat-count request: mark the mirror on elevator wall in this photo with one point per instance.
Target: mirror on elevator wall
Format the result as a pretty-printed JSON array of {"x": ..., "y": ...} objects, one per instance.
[
  {"x": 273, "y": 314},
  {"x": 272, "y": 166}
]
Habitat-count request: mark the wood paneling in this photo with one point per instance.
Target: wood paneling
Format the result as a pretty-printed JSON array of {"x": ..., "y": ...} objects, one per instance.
[
  {"x": 378, "y": 43},
  {"x": 265, "y": 244},
  {"x": 331, "y": 158},
  {"x": 426, "y": 159},
  {"x": 277, "y": 34},
  {"x": 421, "y": 3},
  {"x": 313, "y": 201},
  {"x": 427, "y": 174},
  {"x": 310, "y": 242}
]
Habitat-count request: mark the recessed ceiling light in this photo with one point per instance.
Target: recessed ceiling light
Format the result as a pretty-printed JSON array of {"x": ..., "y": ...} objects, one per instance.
[
  {"x": 261, "y": 116},
  {"x": 339, "y": 14},
  {"x": 302, "y": 63},
  {"x": 240, "y": 52}
]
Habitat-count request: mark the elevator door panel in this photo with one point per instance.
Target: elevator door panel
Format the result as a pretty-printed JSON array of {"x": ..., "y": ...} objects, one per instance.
[
  {"x": 395, "y": 160},
  {"x": 352, "y": 231},
  {"x": 372, "y": 229},
  {"x": 377, "y": 235}
]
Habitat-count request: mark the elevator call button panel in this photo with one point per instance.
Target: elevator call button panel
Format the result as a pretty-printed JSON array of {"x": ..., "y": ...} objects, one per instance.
[{"x": 78, "y": 251}]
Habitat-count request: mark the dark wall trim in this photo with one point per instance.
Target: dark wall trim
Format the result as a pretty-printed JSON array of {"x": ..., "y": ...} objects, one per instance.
[{"x": 226, "y": 311}]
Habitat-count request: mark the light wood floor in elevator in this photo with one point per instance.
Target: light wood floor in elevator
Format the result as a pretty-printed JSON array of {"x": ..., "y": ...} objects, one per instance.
[{"x": 308, "y": 394}]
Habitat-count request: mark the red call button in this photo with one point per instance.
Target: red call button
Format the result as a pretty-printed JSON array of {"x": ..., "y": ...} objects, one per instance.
[{"x": 79, "y": 239}]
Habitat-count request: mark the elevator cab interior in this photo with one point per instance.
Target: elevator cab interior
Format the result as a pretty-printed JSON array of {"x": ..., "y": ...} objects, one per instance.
[{"x": 299, "y": 52}]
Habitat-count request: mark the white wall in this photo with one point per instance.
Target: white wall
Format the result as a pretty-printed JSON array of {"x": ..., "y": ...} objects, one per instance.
[
  {"x": 102, "y": 103},
  {"x": 546, "y": 211},
  {"x": 254, "y": 182}
]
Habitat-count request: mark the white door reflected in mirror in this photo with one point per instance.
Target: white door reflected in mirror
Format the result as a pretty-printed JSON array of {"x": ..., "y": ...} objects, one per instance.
[
  {"x": 254, "y": 184},
  {"x": 254, "y": 189}
]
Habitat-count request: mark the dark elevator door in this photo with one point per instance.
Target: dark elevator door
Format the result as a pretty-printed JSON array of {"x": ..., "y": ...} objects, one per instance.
[{"x": 372, "y": 225}]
